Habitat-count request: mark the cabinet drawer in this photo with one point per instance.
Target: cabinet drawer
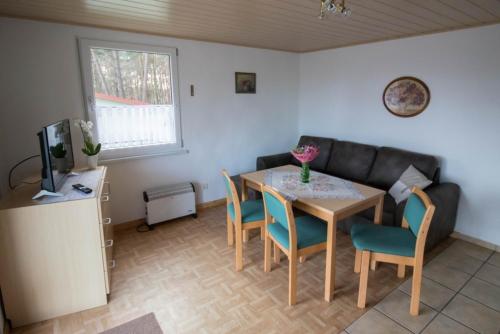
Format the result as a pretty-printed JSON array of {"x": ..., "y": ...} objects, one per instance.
[
  {"x": 109, "y": 263},
  {"x": 106, "y": 229},
  {"x": 106, "y": 223}
]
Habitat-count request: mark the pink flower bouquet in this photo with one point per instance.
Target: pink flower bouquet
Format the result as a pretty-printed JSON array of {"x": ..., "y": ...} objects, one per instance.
[{"x": 305, "y": 154}]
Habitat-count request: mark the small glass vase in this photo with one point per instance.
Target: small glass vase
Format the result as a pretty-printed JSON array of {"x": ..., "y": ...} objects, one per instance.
[
  {"x": 304, "y": 173},
  {"x": 92, "y": 161}
]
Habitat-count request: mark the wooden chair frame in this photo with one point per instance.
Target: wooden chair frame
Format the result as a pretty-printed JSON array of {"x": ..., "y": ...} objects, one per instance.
[
  {"x": 293, "y": 253},
  {"x": 364, "y": 258},
  {"x": 237, "y": 227}
]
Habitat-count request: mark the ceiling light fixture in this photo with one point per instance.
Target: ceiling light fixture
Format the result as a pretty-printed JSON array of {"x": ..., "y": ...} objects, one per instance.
[{"x": 335, "y": 7}]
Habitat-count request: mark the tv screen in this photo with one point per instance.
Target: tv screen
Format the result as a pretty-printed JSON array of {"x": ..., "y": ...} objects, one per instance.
[{"x": 57, "y": 154}]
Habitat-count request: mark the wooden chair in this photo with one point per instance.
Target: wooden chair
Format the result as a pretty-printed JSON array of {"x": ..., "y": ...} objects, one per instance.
[
  {"x": 296, "y": 237},
  {"x": 241, "y": 217},
  {"x": 403, "y": 246}
]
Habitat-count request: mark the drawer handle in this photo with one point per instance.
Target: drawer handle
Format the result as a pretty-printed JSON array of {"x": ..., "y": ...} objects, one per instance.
[
  {"x": 112, "y": 265},
  {"x": 108, "y": 243},
  {"x": 109, "y": 187},
  {"x": 107, "y": 221},
  {"x": 105, "y": 198}
]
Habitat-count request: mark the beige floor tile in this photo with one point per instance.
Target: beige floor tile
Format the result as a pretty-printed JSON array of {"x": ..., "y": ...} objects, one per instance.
[
  {"x": 474, "y": 315},
  {"x": 467, "y": 248},
  {"x": 495, "y": 259},
  {"x": 433, "y": 294},
  {"x": 449, "y": 277},
  {"x": 459, "y": 261},
  {"x": 483, "y": 292},
  {"x": 444, "y": 325},
  {"x": 490, "y": 274},
  {"x": 397, "y": 307},
  {"x": 374, "y": 322}
]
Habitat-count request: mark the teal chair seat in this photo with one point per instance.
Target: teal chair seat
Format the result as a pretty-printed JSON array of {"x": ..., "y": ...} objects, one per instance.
[
  {"x": 251, "y": 211},
  {"x": 383, "y": 239},
  {"x": 310, "y": 231}
]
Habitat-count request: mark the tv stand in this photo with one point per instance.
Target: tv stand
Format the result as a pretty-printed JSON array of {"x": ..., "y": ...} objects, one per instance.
[
  {"x": 56, "y": 253},
  {"x": 43, "y": 193}
]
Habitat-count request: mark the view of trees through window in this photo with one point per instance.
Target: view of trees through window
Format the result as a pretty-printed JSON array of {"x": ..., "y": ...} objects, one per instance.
[{"x": 131, "y": 77}]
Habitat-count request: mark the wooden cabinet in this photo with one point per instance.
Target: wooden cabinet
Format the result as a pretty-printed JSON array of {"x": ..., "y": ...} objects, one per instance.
[{"x": 56, "y": 253}]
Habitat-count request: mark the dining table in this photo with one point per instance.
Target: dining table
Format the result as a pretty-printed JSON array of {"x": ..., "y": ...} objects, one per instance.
[{"x": 329, "y": 209}]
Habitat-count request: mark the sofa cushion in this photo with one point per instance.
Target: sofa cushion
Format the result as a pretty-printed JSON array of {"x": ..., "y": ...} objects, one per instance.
[
  {"x": 351, "y": 161},
  {"x": 390, "y": 163},
  {"x": 325, "y": 147}
]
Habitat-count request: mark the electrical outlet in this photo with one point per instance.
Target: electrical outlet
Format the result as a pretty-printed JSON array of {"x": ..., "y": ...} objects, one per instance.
[{"x": 204, "y": 186}]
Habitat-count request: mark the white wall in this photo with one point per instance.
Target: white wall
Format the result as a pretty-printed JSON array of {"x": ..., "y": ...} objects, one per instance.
[
  {"x": 40, "y": 83},
  {"x": 341, "y": 96}
]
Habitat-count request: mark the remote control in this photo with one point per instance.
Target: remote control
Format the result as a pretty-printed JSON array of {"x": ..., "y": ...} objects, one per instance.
[{"x": 82, "y": 188}]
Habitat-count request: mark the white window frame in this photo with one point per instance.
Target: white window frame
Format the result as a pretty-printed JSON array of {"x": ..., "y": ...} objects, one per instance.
[{"x": 84, "y": 46}]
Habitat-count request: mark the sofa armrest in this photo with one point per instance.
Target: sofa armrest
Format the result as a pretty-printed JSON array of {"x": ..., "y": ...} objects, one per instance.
[
  {"x": 275, "y": 160},
  {"x": 445, "y": 197}
]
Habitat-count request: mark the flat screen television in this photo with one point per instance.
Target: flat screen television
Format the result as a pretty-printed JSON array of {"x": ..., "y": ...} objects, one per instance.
[{"x": 56, "y": 151}]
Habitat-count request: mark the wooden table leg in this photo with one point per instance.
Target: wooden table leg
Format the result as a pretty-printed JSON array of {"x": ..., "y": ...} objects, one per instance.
[
  {"x": 379, "y": 211},
  {"x": 244, "y": 190},
  {"x": 330, "y": 258}
]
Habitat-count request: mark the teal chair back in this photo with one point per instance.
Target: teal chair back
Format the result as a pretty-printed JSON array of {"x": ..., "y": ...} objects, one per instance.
[
  {"x": 276, "y": 209},
  {"x": 233, "y": 201},
  {"x": 280, "y": 210},
  {"x": 229, "y": 191},
  {"x": 414, "y": 213}
]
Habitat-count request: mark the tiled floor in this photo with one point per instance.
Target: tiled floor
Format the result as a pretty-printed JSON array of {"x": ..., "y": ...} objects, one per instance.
[{"x": 460, "y": 294}]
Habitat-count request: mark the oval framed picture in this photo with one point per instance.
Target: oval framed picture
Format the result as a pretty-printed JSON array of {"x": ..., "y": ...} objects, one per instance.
[{"x": 406, "y": 96}]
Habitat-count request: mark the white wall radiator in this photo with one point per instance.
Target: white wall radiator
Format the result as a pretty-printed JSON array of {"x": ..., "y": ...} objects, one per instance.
[{"x": 169, "y": 202}]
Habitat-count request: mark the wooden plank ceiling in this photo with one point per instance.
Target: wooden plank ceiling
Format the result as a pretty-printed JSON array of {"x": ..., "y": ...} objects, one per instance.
[{"x": 290, "y": 25}]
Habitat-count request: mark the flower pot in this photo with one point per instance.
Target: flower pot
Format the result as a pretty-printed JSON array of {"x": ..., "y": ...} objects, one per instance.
[
  {"x": 61, "y": 165},
  {"x": 92, "y": 161},
  {"x": 305, "y": 173}
]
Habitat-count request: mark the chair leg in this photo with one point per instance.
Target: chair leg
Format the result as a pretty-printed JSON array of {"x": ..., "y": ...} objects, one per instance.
[
  {"x": 292, "y": 282},
  {"x": 302, "y": 259},
  {"x": 277, "y": 253},
  {"x": 262, "y": 233},
  {"x": 230, "y": 231},
  {"x": 415, "y": 290},
  {"x": 401, "y": 270},
  {"x": 373, "y": 265},
  {"x": 357, "y": 262},
  {"x": 363, "y": 279},
  {"x": 239, "y": 249},
  {"x": 246, "y": 236},
  {"x": 267, "y": 254}
]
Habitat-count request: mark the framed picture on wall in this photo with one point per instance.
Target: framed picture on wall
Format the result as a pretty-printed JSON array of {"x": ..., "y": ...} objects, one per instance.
[
  {"x": 245, "y": 83},
  {"x": 406, "y": 96}
]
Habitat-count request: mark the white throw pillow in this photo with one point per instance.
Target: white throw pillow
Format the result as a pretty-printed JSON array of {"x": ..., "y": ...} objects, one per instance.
[{"x": 401, "y": 190}]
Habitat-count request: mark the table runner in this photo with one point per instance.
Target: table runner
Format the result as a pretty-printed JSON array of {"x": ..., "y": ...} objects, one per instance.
[{"x": 319, "y": 186}]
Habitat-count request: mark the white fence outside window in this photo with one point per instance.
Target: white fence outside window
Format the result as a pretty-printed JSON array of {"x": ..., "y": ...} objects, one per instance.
[{"x": 135, "y": 125}]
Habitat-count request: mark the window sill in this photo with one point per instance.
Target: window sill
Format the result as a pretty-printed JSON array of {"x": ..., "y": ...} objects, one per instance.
[{"x": 107, "y": 161}]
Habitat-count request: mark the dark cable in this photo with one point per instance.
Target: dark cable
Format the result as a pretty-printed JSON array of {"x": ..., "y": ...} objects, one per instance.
[{"x": 17, "y": 165}]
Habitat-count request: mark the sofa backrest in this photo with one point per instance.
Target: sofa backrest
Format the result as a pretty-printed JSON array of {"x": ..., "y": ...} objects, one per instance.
[
  {"x": 390, "y": 163},
  {"x": 351, "y": 161},
  {"x": 377, "y": 166},
  {"x": 325, "y": 147}
]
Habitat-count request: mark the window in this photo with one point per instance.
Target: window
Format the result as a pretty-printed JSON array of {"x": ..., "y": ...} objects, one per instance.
[{"x": 132, "y": 97}]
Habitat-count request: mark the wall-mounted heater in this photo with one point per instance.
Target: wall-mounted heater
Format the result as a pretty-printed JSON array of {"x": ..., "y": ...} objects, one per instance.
[{"x": 169, "y": 202}]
